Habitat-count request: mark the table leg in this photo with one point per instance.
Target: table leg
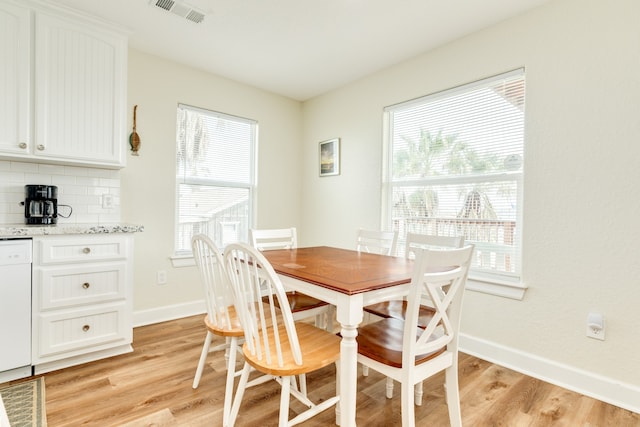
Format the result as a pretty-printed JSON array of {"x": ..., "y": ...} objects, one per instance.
[{"x": 349, "y": 315}]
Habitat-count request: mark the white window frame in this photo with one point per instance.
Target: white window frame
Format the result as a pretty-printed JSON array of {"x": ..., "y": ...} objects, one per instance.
[
  {"x": 495, "y": 284},
  {"x": 183, "y": 258}
]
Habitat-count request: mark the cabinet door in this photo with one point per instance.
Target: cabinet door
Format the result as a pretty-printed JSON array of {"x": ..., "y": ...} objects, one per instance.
[
  {"x": 80, "y": 83},
  {"x": 81, "y": 331},
  {"x": 79, "y": 285},
  {"x": 74, "y": 249},
  {"x": 15, "y": 49}
]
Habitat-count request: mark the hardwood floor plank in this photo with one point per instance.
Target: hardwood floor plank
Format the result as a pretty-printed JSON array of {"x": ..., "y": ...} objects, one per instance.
[{"x": 152, "y": 386}]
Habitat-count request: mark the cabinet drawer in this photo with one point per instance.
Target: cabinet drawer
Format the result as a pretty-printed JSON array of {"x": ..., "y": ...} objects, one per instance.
[
  {"x": 86, "y": 249},
  {"x": 83, "y": 284},
  {"x": 78, "y": 330}
]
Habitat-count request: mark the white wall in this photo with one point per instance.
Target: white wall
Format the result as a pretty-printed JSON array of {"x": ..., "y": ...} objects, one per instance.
[
  {"x": 148, "y": 181},
  {"x": 582, "y": 201}
]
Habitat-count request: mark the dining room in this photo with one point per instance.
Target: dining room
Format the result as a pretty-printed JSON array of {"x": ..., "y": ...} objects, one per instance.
[
  {"x": 529, "y": 353},
  {"x": 579, "y": 194}
]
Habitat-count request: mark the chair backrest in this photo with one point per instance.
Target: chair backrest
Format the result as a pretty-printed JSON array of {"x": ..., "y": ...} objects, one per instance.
[
  {"x": 269, "y": 329},
  {"x": 377, "y": 242},
  {"x": 430, "y": 241},
  {"x": 275, "y": 238},
  {"x": 214, "y": 278},
  {"x": 441, "y": 275}
]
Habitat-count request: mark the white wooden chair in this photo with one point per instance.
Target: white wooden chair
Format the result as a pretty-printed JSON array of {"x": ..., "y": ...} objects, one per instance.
[
  {"x": 274, "y": 343},
  {"x": 414, "y": 241},
  {"x": 303, "y": 306},
  {"x": 397, "y": 308},
  {"x": 430, "y": 241},
  {"x": 273, "y": 238},
  {"x": 408, "y": 353},
  {"x": 221, "y": 318},
  {"x": 377, "y": 242}
]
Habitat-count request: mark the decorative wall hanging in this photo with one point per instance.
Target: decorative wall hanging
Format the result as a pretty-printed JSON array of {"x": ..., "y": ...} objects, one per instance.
[
  {"x": 330, "y": 157},
  {"x": 134, "y": 138}
]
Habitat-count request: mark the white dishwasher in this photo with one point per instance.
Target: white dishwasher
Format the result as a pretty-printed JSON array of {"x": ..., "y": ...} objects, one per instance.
[{"x": 15, "y": 309}]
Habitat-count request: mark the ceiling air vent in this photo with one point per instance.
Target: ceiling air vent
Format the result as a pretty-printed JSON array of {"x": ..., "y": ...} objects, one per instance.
[{"x": 181, "y": 9}]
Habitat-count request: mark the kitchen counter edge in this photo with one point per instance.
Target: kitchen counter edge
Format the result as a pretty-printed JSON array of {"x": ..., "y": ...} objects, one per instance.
[{"x": 21, "y": 230}]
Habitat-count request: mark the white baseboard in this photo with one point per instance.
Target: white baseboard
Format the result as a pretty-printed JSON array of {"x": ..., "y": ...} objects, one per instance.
[
  {"x": 169, "y": 312},
  {"x": 617, "y": 393}
]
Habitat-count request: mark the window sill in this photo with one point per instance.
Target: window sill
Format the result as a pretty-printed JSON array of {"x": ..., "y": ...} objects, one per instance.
[
  {"x": 506, "y": 289},
  {"x": 178, "y": 261}
]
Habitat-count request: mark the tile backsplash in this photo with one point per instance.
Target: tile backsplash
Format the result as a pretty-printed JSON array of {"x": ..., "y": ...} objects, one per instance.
[{"x": 82, "y": 188}]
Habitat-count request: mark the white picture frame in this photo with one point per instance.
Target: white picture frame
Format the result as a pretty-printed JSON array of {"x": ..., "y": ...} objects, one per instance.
[{"x": 329, "y": 157}]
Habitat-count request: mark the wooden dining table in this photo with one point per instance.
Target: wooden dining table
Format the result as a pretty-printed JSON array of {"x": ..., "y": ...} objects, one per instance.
[{"x": 350, "y": 280}]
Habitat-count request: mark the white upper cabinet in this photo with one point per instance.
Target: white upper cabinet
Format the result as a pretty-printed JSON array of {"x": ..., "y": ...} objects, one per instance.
[
  {"x": 15, "y": 79},
  {"x": 78, "y": 70},
  {"x": 79, "y": 79}
]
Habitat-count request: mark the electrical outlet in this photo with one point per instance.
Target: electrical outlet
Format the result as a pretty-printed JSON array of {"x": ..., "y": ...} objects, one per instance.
[
  {"x": 107, "y": 201},
  {"x": 595, "y": 326},
  {"x": 162, "y": 277}
]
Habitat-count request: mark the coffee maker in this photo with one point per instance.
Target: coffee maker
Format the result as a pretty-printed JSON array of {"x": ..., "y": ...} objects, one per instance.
[{"x": 41, "y": 204}]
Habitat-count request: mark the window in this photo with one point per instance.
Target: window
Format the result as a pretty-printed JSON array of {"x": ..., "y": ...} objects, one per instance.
[
  {"x": 455, "y": 161},
  {"x": 215, "y": 174}
]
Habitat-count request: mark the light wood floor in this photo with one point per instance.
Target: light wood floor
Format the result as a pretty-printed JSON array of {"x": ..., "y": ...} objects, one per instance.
[{"x": 152, "y": 386}]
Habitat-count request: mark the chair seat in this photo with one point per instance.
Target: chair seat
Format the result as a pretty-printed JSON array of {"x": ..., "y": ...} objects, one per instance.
[
  {"x": 234, "y": 331},
  {"x": 301, "y": 302},
  {"x": 319, "y": 349},
  {"x": 382, "y": 342},
  {"x": 397, "y": 309}
]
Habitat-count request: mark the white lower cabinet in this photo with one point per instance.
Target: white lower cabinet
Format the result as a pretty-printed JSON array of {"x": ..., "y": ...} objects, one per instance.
[{"x": 82, "y": 299}]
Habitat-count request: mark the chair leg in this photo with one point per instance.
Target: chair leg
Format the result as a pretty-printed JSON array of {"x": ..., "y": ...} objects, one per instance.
[
  {"x": 365, "y": 371},
  {"x": 418, "y": 394},
  {"x": 330, "y": 315},
  {"x": 237, "y": 400},
  {"x": 389, "y": 388},
  {"x": 227, "y": 342},
  {"x": 203, "y": 359},
  {"x": 231, "y": 373},
  {"x": 303, "y": 384},
  {"x": 452, "y": 394},
  {"x": 284, "y": 402},
  {"x": 407, "y": 409},
  {"x": 338, "y": 391}
]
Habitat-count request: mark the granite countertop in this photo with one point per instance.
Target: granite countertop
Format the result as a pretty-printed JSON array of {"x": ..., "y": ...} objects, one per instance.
[{"x": 23, "y": 230}]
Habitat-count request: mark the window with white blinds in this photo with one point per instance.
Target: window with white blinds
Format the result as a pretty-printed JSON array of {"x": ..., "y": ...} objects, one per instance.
[
  {"x": 455, "y": 165},
  {"x": 215, "y": 174}
]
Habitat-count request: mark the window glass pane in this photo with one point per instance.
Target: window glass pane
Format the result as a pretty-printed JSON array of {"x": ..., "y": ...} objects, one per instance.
[
  {"x": 455, "y": 169},
  {"x": 214, "y": 172},
  {"x": 222, "y": 213},
  {"x": 467, "y": 133},
  {"x": 484, "y": 213},
  {"x": 214, "y": 146}
]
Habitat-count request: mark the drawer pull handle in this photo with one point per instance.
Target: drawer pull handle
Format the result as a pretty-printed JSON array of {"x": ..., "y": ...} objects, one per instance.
[
  {"x": 85, "y": 328},
  {"x": 23, "y": 145},
  {"x": 40, "y": 147},
  {"x": 86, "y": 250},
  {"x": 86, "y": 285}
]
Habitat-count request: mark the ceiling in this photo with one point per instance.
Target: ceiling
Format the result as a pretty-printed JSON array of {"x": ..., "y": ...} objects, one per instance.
[{"x": 300, "y": 48}]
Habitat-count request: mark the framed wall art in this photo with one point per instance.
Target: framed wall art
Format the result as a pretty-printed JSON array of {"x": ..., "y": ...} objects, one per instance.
[{"x": 329, "y": 155}]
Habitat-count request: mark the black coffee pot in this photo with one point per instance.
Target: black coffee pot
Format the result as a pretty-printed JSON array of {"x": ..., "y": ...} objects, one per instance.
[{"x": 41, "y": 204}]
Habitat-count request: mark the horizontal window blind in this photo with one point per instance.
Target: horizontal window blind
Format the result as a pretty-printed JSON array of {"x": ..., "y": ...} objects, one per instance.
[
  {"x": 215, "y": 173},
  {"x": 455, "y": 168}
]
